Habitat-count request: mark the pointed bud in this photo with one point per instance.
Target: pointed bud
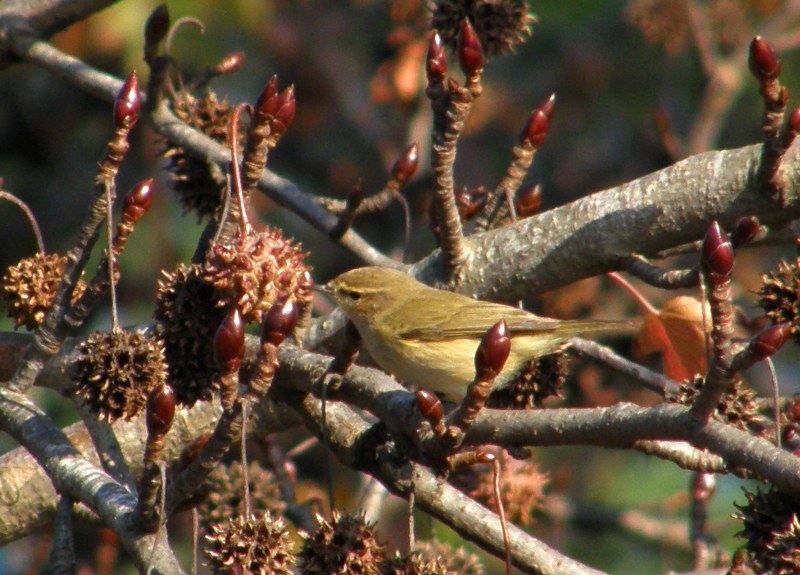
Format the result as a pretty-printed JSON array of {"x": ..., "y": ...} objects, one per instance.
[
  {"x": 430, "y": 406},
  {"x": 279, "y": 321},
  {"x": 157, "y": 25},
  {"x": 267, "y": 103},
  {"x": 285, "y": 113},
  {"x": 747, "y": 229},
  {"x": 717, "y": 254},
  {"x": 493, "y": 351},
  {"x": 126, "y": 106},
  {"x": 470, "y": 55},
  {"x": 436, "y": 61},
  {"x": 768, "y": 342},
  {"x": 529, "y": 200},
  {"x": 535, "y": 129},
  {"x": 764, "y": 63},
  {"x": 406, "y": 165},
  {"x": 229, "y": 342},
  {"x": 160, "y": 410},
  {"x": 231, "y": 63},
  {"x": 137, "y": 201},
  {"x": 548, "y": 106}
]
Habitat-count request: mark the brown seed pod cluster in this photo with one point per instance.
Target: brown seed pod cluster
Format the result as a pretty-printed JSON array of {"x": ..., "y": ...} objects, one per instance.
[
  {"x": 344, "y": 546},
  {"x": 541, "y": 378},
  {"x": 30, "y": 286},
  {"x": 771, "y": 528},
  {"x": 198, "y": 183},
  {"x": 415, "y": 564},
  {"x": 500, "y": 24},
  {"x": 254, "y": 269},
  {"x": 459, "y": 560},
  {"x": 116, "y": 371},
  {"x": 226, "y": 488},
  {"x": 188, "y": 316},
  {"x": 779, "y": 295},
  {"x": 738, "y": 407},
  {"x": 249, "y": 545}
]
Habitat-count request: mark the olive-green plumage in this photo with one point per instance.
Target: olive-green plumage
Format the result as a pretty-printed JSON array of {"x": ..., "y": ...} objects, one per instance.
[{"x": 428, "y": 337}]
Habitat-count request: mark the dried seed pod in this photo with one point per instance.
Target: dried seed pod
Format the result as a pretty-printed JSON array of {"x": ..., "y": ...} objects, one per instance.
[
  {"x": 344, "y": 546},
  {"x": 187, "y": 316},
  {"x": 115, "y": 372},
  {"x": 779, "y": 295},
  {"x": 771, "y": 531},
  {"x": 30, "y": 286},
  {"x": 257, "y": 546},
  {"x": 254, "y": 270},
  {"x": 198, "y": 183},
  {"x": 738, "y": 407},
  {"x": 500, "y": 25}
]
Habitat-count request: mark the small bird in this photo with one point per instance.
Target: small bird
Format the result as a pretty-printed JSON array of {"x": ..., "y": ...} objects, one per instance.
[{"x": 428, "y": 337}]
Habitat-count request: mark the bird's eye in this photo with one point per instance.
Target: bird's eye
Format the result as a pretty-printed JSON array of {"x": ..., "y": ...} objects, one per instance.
[{"x": 354, "y": 295}]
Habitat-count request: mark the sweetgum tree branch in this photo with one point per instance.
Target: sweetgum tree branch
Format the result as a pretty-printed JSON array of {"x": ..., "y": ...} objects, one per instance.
[{"x": 105, "y": 87}]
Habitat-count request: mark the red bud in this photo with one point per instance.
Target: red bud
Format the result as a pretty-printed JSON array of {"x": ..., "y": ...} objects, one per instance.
[
  {"x": 233, "y": 62},
  {"x": 764, "y": 63},
  {"x": 470, "y": 55},
  {"x": 493, "y": 351},
  {"x": 548, "y": 106},
  {"x": 160, "y": 410},
  {"x": 126, "y": 106},
  {"x": 355, "y": 196},
  {"x": 267, "y": 103},
  {"x": 137, "y": 201},
  {"x": 535, "y": 129},
  {"x": 436, "y": 62},
  {"x": 285, "y": 113},
  {"x": 717, "y": 254},
  {"x": 157, "y": 25},
  {"x": 229, "y": 342},
  {"x": 767, "y": 343},
  {"x": 406, "y": 165},
  {"x": 529, "y": 200},
  {"x": 279, "y": 321},
  {"x": 429, "y": 406},
  {"x": 746, "y": 229}
]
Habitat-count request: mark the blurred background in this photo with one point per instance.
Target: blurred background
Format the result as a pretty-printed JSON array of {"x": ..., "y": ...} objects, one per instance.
[{"x": 631, "y": 79}]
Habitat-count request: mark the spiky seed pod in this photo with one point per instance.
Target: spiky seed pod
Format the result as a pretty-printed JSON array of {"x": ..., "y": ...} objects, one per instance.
[
  {"x": 187, "y": 316},
  {"x": 198, "y": 184},
  {"x": 30, "y": 286},
  {"x": 500, "y": 24},
  {"x": 737, "y": 407},
  {"x": 522, "y": 486},
  {"x": 459, "y": 561},
  {"x": 226, "y": 493},
  {"x": 344, "y": 546},
  {"x": 249, "y": 545},
  {"x": 539, "y": 379},
  {"x": 772, "y": 531},
  {"x": 254, "y": 270},
  {"x": 779, "y": 295},
  {"x": 415, "y": 564},
  {"x": 116, "y": 371}
]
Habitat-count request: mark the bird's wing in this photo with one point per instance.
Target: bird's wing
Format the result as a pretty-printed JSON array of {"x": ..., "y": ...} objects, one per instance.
[{"x": 471, "y": 320}]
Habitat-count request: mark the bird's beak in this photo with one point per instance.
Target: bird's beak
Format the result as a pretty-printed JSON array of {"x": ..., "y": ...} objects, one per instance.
[{"x": 324, "y": 288}]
